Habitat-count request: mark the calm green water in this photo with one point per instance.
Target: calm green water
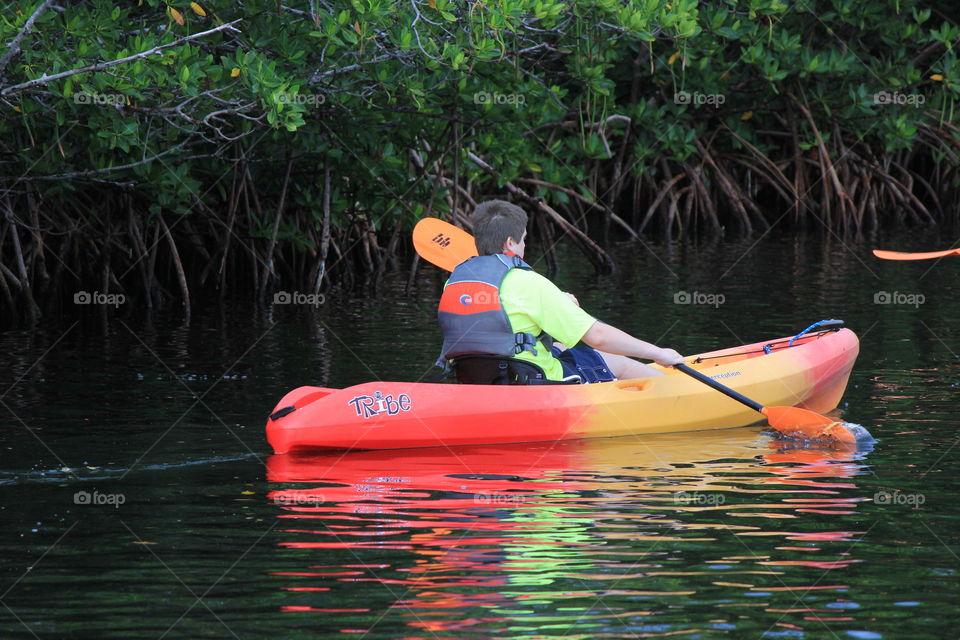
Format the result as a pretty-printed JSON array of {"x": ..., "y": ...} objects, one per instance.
[{"x": 192, "y": 529}]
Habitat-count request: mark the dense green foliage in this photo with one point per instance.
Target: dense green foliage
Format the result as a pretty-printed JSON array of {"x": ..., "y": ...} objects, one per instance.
[{"x": 675, "y": 114}]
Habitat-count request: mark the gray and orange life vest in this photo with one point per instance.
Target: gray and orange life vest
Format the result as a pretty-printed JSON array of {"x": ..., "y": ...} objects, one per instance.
[{"x": 472, "y": 318}]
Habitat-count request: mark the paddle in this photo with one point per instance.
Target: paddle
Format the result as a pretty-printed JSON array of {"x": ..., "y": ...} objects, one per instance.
[
  {"x": 929, "y": 255},
  {"x": 446, "y": 246},
  {"x": 790, "y": 421}
]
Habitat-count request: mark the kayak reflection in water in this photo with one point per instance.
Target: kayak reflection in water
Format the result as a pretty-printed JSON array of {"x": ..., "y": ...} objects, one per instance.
[
  {"x": 490, "y": 541},
  {"x": 503, "y": 323}
]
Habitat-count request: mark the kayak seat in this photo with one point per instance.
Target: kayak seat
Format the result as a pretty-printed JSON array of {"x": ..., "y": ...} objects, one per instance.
[{"x": 492, "y": 369}]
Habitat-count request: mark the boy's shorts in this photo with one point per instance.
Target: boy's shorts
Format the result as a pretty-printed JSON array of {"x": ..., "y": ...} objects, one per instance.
[{"x": 585, "y": 362}]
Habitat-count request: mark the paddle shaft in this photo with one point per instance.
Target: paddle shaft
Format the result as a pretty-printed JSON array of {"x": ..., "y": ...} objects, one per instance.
[{"x": 707, "y": 380}]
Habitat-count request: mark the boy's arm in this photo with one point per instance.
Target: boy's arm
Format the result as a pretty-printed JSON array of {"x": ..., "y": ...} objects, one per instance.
[{"x": 605, "y": 337}]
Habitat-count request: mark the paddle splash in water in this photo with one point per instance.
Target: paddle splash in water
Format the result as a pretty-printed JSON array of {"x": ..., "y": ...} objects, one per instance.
[{"x": 836, "y": 434}]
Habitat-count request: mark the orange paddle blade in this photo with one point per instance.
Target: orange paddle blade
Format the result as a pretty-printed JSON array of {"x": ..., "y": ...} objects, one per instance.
[
  {"x": 442, "y": 244},
  {"x": 801, "y": 423},
  {"x": 929, "y": 255}
]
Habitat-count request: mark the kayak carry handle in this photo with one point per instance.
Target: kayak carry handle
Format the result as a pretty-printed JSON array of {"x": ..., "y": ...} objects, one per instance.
[
  {"x": 279, "y": 413},
  {"x": 825, "y": 325}
]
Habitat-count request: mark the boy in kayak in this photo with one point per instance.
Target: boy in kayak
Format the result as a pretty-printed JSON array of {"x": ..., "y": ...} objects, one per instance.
[{"x": 496, "y": 305}]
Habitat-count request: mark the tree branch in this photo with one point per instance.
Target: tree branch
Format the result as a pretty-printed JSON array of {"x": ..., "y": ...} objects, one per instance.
[
  {"x": 45, "y": 79},
  {"x": 15, "y": 43},
  {"x": 94, "y": 172},
  {"x": 600, "y": 258}
]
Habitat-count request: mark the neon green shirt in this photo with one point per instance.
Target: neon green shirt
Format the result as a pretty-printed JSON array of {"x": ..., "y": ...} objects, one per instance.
[{"x": 533, "y": 305}]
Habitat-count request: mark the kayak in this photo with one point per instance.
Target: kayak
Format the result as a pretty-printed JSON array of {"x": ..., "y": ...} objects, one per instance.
[{"x": 808, "y": 371}]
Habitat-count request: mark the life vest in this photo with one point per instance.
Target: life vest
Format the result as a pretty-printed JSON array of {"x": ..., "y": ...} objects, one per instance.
[{"x": 472, "y": 318}]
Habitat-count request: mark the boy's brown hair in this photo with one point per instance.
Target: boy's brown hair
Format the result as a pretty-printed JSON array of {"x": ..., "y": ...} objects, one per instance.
[{"x": 494, "y": 221}]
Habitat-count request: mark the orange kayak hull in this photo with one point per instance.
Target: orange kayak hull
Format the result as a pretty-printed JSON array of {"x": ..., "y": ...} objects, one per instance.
[{"x": 812, "y": 374}]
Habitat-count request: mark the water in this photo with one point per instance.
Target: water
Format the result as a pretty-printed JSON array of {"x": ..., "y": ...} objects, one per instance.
[{"x": 139, "y": 498}]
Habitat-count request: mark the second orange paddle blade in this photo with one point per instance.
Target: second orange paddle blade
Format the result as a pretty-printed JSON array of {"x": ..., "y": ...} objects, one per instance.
[{"x": 442, "y": 244}]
